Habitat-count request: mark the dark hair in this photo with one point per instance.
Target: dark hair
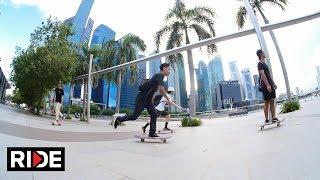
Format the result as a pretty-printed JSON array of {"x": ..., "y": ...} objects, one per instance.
[
  {"x": 164, "y": 65},
  {"x": 259, "y": 52}
]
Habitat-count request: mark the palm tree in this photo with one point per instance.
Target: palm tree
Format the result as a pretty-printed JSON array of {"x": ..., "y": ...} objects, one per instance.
[
  {"x": 124, "y": 50},
  {"x": 179, "y": 22},
  {"x": 82, "y": 68},
  {"x": 257, "y": 5}
]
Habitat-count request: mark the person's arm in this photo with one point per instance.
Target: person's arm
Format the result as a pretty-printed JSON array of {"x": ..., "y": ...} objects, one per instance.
[
  {"x": 265, "y": 80},
  {"x": 164, "y": 94}
]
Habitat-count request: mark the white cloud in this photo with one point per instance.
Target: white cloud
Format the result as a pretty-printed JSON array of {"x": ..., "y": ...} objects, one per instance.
[{"x": 145, "y": 17}]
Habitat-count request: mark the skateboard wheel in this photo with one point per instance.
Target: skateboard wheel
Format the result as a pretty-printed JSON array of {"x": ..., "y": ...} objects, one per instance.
[
  {"x": 142, "y": 140},
  {"x": 261, "y": 128},
  {"x": 278, "y": 124},
  {"x": 164, "y": 141}
]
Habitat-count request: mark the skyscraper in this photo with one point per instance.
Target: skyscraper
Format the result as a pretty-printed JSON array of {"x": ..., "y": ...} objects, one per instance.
[
  {"x": 87, "y": 32},
  {"x": 247, "y": 83},
  {"x": 234, "y": 72},
  {"x": 80, "y": 20},
  {"x": 182, "y": 86},
  {"x": 258, "y": 94},
  {"x": 154, "y": 67},
  {"x": 102, "y": 34},
  {"x": 216, "y": 74},
  {"x": 130, "y": 91},
  {"x": 82, "y": 31},
  {"x": 204, "y": 93},
  {"x": 104, "y": 92}
]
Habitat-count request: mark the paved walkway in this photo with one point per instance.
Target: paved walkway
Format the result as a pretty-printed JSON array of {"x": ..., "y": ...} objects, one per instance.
[{"x": 223, "y": 148}]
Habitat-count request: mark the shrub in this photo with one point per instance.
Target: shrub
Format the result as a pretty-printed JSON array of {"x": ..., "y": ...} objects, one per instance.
[
  {"x": 94, "y": 109},
  {"x": 185, "y": 122},
  {"x": 126, "y": 111},
  {"x": 145, "y": 113},
  {"x": 290, "y": 106},
  {"x": 108, "y": 112},
  {"x": 73, "y": 109}
]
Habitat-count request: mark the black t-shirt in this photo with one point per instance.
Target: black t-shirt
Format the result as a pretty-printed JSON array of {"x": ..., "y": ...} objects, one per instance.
[
  {"x": 59, "y": 94},
  {"x": 151, "y": 87},
  {"x": 263, "y": 66}
]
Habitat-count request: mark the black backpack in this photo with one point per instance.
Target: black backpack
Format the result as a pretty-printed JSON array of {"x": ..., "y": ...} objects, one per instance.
[
  {"x": 143, "y": 84},
  {"x": 157, "y": 100}
]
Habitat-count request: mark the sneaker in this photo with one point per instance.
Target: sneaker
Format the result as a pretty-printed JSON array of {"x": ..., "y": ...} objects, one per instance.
[
  {"x": 266, "y": 121},
  {"x": 116, "y": 122},
  {"x": 275, "y": 120},
  {"x": 143, "y": 129},
  {"x": 153, "y": 135}
]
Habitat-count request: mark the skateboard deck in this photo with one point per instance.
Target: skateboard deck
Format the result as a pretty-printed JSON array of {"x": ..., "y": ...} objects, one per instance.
[
  {"x": 162, "y": 138},
  {"x": 270, "y": 123}
]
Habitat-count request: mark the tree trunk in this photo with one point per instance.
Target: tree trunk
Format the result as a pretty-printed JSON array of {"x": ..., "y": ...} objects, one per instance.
[
  {"x": 108, "y": 95},
  {"x": 192, "y": 97},
  {"x": 84, "y": 98},
  {"x": 118, "y": 92},
  {"x": 70, "y": 94},
  {"x": 283, "y": 66}
]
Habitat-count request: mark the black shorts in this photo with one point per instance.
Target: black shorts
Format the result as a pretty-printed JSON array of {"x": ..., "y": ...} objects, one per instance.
[
  {"x": 267, "y": 96},
  {"x": 162, "y": 113}
]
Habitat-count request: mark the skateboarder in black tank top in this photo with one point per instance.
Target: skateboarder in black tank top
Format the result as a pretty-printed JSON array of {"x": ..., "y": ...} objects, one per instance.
[
  {"x": 268, "y": 87},
  {"x": 144, "y": 99}
]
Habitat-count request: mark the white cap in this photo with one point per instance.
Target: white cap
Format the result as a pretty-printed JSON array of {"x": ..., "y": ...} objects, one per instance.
[{"x": 170, "y": 89}]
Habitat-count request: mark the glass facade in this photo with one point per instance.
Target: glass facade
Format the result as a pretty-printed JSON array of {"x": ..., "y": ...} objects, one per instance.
[{"x": 204, "y": 93}]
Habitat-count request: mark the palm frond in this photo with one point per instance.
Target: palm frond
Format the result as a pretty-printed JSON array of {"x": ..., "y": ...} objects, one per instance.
[
  {"x": 241, "y": 16},
  {"x": 203, "y": 34},
  {"x": 159, "y": 35}
]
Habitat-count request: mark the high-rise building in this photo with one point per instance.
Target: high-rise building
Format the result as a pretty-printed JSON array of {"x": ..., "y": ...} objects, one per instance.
[
  {"x": 297, "y": 91},
  {"x": 102, "y": 34},
  {"x": 247, "y": 83},
  {"x": 80, "y": 20},
  {"x": 154, "y": 67},
  {"x": 4, "y": 85},
  {"x": 129, "y": 91},
  {"x": 258, "y": 94},
  {"x": 318, "y": 76},
  {"x": 81, "y": 35},
  {"x": 87, "y": 32},
  {"x": 204, "y": 93},
  {"x": 227, "y": 94},
  {"x": 105, "y": 92},
  {"x": 182, "y": 85},
  {"x": 216, "y": 74},
  {"x": 234, "y": 72}
]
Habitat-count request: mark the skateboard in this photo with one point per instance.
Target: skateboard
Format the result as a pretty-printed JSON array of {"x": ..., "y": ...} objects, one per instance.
[
  {"x": 270, "y": 123},
  {"x": 162, "y": 138}
]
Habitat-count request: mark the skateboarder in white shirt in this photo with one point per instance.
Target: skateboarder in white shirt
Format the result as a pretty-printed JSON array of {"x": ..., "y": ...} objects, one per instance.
[{"x": 160, "y": 102}]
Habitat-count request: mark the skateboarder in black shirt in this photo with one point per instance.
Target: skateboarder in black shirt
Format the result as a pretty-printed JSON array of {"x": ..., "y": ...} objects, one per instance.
[
  {"x": 268, "y": 87},
  {"x": 145, "y": 97}
]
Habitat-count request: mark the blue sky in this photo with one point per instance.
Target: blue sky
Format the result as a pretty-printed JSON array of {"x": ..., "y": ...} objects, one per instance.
[
  {"x": 300, "y": 44},
  {"x": 16, "y": 24}
]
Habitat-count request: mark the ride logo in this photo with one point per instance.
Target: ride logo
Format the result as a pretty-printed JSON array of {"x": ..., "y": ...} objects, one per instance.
[{"x": 35, "y": 158}]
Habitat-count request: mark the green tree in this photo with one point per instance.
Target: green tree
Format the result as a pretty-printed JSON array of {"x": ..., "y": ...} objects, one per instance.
[
  {"x": 180, "y": 21},
  {"x": 257, "y": 5},
  {"x": 48, "y": 60},
  {"x": 122, "y": 51}
]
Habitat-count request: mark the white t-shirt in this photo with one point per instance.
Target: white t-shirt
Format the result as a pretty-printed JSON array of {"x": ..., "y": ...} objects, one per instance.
[{"x": 162, "y": 104}]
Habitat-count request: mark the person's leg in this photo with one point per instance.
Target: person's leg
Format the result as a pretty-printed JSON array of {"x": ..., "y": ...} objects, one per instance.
[
  {"x": 273, "y": 109},
  {"x": 57, "y": 110},
  {"x": 166, "y": 122},
  {"x": 153, "y": 118},
  {"x": 145, "y": 127},
  {"x": 140, "y": 104},
  {"x": 266, "y": 110}
]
